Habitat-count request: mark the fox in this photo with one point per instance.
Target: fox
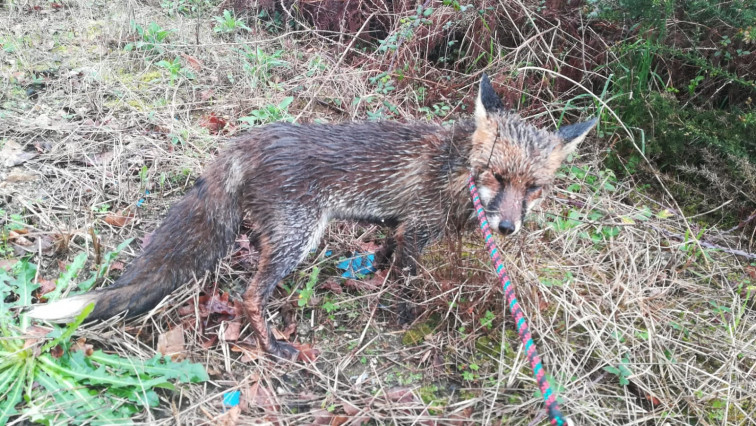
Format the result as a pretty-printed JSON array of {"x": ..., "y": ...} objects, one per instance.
[{"x": 286, "y": 182}]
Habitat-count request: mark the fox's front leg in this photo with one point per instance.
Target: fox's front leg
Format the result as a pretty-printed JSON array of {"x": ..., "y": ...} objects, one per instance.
[
  {"x": 281, "y": 250},
  {"x": 410, "y": 240}
]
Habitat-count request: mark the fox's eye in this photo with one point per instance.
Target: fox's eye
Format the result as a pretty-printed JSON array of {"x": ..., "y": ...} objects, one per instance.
[
  {"x": 498, "y": 177},
  {"x": 534, "y": 190}
]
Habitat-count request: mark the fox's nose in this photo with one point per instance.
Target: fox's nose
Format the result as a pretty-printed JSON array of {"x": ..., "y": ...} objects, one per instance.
[{"x": 506, "y": 227}]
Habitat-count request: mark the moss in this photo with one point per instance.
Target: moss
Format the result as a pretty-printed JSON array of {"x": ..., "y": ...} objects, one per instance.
[{"x": 416, "y": 334}]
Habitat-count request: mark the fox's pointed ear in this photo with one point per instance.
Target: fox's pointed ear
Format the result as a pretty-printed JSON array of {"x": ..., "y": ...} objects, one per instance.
[
  {"x": 488, "y": 102},
  {"x": 573, "y": 134}
]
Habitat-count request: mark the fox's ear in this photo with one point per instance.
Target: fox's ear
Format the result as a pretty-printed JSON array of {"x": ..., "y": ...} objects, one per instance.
[
  {"x": 488, "y": 102},
  {"x": 573, "y": 134}
]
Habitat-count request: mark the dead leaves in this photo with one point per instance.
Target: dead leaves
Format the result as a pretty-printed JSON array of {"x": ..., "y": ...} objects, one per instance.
[
  {"x": 215, "y": 124},
  {"x": 172, "y": 343},
  {"x": 12, "y": 154},
  {"x": 119, "y": 219}
]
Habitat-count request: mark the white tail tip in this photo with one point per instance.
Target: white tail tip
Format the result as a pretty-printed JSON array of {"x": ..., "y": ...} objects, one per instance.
[{"x": 61, "y": 311}]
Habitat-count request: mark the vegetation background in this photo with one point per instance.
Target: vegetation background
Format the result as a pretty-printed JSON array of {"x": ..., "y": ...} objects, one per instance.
[{"x": 637, "y": 274}]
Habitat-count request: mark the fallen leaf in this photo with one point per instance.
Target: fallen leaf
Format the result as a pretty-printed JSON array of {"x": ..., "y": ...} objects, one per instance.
[
  {"x": 321, "y": 417},
  {"x": 56, "y": 351},
  {"x": 332, "y": 284},
  {"x": 20, "y": 231},
  {"x": 19, "y": 239},
  {"x": 461, "y": 417},
  {"x": 260, "y": 396},
  {"x": 45, "y": 286},
  {"x": 8, "y": 264},
  {"x": 339, "y": 420},
  {"x": 119, "y": 220},
  {"x": 172, "y": 342},
  {"x": 208, "y": 343},
  {"x": 289, "y": 330},
  {"x": 193, "y": 62},
  {"x": 216, "y": 304},
  {"x": 213, "y": 123},
  {"x": 349, "y": 408},
  {"x": 249, "y": 354},
  {"x": 306, "y": 352},
  {"x": 231, "y": 331},
  {"x": 369, "y": 246},
  {"x": 81, "y": 345},
  {"x": 400, "y": 394},
  {"x": 99, "y": 159},
  {"x": 229, "y": 418},
  {"x": 35, "y": 335},
  {"x": 206, "y": 94},
  {"x": 751, "y": 270},
  {"x": 21, "y": 176}
]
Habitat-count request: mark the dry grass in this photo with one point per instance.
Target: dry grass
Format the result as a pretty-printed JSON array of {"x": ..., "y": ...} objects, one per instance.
[{"x": 108, "y": 125}]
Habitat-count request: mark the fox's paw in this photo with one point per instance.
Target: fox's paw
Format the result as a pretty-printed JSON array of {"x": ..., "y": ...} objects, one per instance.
[
  {"x": 282, "y": 350},
  {"x": 407, "y": 313}
]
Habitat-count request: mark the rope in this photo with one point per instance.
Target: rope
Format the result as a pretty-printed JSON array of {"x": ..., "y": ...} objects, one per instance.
[{"x": 552, "y": 406}]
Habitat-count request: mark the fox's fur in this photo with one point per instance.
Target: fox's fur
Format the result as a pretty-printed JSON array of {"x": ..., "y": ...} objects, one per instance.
[{"x": 289, "y": 181}]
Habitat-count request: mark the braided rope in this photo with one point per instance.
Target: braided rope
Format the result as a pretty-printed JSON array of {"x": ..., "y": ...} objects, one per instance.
[{"x": 552, "y": 406}]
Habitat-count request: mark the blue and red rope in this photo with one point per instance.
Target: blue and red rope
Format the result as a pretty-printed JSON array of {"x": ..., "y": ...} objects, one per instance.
[{"x": 552, "y": 406}]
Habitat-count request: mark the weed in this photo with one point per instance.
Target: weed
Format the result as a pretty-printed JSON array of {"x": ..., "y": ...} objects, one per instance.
[
  {"x": 51, "y": 372},
  {"x": 12, "y": 222},
  {"x": 228, "y": 23},
  {"x": 622, "y": 371},
  {"x": 306, "y": 293},
  {"x": 191, "y": 8},
  {"x": 152, "y": 38},
  {"x": 258, "y": 64},
  {"x": 269, "y": 114},
  {"x": 176, "y": 70},
  {"x": 487, "y": 320}
]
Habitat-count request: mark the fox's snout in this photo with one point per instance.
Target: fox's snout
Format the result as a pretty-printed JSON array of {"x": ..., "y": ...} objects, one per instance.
[
  {"x": 506, "y": 227},
  {"x": 504, "y": 209}
]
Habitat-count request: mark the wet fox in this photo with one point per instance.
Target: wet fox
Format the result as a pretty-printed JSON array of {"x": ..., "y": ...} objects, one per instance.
[{"x": 288, "y": 181}]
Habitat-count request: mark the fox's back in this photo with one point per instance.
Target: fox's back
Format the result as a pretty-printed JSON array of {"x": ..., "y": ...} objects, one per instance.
[{"x": 371, "y": 170}]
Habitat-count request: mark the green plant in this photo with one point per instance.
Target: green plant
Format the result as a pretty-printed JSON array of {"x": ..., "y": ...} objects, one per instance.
[
  {"x": 42, "y": 376},
  {"x": 10, "y": 223},
  {"x": 259, "y": 64},
  {"x": 101, "y": 208},
  {"x": 487, "y": 319},
  {"x": 152, "y": 38},
  {"x": 191, "y": 8},
  {"x": 176, "y": 70},
  {"x": 269, "y": 113},
  {"x": 468, "y": 372},
  {"x": 228, "y": 24},
  {"x": 437, "y": 110},
  {"x": 622, "y": 371},
  {"x": 306, "y": 293}
]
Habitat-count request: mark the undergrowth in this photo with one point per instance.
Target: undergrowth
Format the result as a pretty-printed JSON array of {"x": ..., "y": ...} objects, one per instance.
[{"x": 46, "y": 377}]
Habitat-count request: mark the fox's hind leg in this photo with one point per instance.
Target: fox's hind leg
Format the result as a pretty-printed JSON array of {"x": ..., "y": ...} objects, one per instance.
[
  {"x": 384, "y": 253},
  {"x": 281, "y": 250}
]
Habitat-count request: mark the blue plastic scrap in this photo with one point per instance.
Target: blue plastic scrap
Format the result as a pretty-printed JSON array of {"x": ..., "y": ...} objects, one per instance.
[
  {"x": 231, "y": 399},
  {"x": 358, "y": 265}
]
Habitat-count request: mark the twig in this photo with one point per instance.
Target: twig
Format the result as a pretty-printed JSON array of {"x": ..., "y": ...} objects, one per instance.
[{"x": 741, "y": 224}]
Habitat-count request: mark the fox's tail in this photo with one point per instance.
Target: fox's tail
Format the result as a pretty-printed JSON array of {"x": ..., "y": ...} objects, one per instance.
[{"x": 194, "y": 236}]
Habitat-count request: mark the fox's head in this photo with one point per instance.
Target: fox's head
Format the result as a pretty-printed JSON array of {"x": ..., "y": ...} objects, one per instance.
[{"x": 514, "y": 162}]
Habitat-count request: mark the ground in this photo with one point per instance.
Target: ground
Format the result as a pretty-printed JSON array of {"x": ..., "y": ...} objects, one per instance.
[{"x": 109, "y": 112}]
